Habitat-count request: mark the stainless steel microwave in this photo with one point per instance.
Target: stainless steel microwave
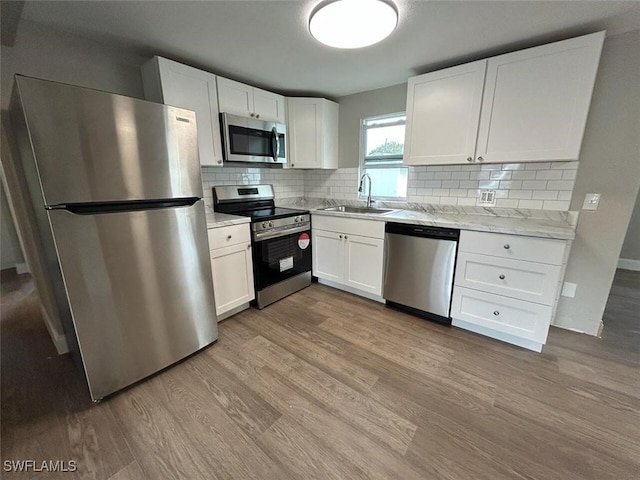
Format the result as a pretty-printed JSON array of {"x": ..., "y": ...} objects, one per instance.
[{"x": 252, "y": 140}]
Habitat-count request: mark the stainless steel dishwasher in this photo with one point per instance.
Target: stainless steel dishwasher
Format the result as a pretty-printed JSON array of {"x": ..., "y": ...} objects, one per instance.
[{"x": 419, "y": 267}]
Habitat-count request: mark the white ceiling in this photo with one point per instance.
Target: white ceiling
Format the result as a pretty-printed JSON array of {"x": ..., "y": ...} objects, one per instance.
[{"x": 267, "y": 43}]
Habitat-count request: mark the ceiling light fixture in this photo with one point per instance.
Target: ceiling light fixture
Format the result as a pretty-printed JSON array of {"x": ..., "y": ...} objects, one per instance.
[{"x": 353, "y": 23}]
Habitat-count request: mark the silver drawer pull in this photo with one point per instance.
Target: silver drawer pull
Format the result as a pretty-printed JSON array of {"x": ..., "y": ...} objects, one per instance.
[
  {"x": 501, "y": 277},
  {"x": 469, "y": 159},
  {"x": 507, "y": 246},
  {"x": 496, "y": 313}
]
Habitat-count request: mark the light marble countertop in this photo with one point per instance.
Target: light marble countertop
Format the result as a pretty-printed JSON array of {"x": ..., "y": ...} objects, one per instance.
[
  {"x": 533, "y": 223},
  {"x": 217, "y": 220}
]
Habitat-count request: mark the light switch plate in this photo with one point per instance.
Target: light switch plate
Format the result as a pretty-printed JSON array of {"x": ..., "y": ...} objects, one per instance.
[
  {"x": 591, "y": 201},
  {"x": 487, "y": 198}
]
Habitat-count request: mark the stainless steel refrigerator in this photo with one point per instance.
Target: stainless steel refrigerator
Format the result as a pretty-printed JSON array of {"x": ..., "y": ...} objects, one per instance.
[{"x": 116, "y": 198}]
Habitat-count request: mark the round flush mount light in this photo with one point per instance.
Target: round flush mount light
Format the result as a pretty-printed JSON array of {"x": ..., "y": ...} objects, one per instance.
[{"x": 353, "y": 23}]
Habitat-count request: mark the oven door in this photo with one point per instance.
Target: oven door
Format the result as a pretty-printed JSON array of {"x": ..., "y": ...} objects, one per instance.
[
  {"x": 278, "y": 258},
  {"x": 252, "y": 140}
]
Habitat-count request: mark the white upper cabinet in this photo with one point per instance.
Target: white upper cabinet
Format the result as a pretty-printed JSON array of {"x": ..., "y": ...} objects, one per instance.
[
  {"x": 312, "y": 132},
  {"x": 530, "y": 105},
  {"x": 536, "y": 101},
  {"x": 443, "y": 110},
  {"x": 247, "y": 101},
  {"x": 172, "y": 83}
]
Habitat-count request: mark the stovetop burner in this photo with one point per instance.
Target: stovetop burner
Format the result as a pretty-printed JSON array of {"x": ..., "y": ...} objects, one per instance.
[{"x": 271, "y": 213}]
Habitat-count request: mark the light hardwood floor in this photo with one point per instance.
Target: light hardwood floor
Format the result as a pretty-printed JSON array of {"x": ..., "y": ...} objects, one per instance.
[{"x": 327, "y": 385}]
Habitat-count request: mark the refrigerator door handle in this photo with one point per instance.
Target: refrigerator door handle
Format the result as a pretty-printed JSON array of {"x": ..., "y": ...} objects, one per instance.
[{"x": 127, "y": 206}]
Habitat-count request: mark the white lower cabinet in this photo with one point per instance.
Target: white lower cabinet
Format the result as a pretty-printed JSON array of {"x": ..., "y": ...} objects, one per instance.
[
  {"x": 349, "y": 254},
  {"x": 232, "y": 268},
  {"x": 507, "y": 286}
]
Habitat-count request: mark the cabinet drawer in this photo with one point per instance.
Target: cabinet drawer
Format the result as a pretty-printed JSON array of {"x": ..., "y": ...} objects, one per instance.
[
  {"x": 532, "y": 249},
  {"x": 534, "y": 282},
  {"x": 227, "y": 236},
  {"x": 502, "y": 314},
  {"x": 353, "y": 226}
]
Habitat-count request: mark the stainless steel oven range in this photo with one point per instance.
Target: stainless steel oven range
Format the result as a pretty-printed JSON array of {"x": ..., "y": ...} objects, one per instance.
[{"x": 280, "y": 239}]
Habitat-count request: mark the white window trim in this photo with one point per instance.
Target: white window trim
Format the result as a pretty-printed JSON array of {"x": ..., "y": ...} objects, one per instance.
[{"x": 361, "y": 166}]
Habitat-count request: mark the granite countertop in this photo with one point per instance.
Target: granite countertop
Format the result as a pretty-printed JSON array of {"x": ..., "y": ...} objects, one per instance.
[
  {"x": 217, "y": 220},
  {"x": 533, "y": 223}
]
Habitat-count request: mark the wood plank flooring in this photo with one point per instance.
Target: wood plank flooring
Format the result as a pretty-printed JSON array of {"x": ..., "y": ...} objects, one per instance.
[{"x": 327, "y": 385}]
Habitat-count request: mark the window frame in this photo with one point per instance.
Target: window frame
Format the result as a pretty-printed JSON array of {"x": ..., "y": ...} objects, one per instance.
[{"x": 391, "y": 161}]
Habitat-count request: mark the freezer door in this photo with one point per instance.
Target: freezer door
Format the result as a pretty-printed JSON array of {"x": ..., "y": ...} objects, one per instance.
[
  {"x": 92, "y": 146},
  {"x": 139, "y": 287}
]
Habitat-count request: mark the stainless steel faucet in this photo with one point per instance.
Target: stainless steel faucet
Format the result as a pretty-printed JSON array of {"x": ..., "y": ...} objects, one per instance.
[{"x": 369, "y": 201}]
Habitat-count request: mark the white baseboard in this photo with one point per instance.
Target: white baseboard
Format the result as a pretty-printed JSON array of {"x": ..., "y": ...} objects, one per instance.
[
  {"x": 355, "y": 291},
  {"x": 629, "y": 264},
  {"x": 59, "y": 339},
  {"x": 22, "y": 268}
]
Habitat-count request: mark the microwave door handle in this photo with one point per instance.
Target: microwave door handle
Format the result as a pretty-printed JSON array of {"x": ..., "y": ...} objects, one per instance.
[{"x": 275, "y": 144}]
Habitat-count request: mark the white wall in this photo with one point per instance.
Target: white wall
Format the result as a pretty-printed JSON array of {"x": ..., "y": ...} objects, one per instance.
[
  {"x": 609, "y": 165},
  {"x": 630, "y": 254},
  {"x": 53, "y": 55},
  {"x": 10, "y": 251}
]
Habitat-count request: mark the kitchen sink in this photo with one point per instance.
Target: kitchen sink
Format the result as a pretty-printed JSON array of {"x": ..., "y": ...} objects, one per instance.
[{"x": 350, "y": 209}]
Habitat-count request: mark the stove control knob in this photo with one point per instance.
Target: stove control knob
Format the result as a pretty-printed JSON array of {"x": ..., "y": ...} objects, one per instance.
[
  {"x": 271, "y": 224},
  {"x": 264, "y": 225}
]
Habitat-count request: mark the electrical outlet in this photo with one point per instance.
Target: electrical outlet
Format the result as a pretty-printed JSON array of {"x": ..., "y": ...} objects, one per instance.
[
  {"x": 569, "y": 289},
  {"x": 591, "y": 201},
  {"x": 487, "y": 198}
]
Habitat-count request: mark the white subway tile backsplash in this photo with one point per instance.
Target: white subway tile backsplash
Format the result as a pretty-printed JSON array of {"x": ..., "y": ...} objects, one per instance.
[
  {"x": 549, "y": 174},
  {"x": 560, "y": 185},
  {"x": 545, "y": 195},
  {"x": 534, "y": 184},
  {"x": 518, "y": 185},
  {"x": 520, "y": 194},
  {"x": 565, "y": 195},
  {"x": 531, "y": 204}
]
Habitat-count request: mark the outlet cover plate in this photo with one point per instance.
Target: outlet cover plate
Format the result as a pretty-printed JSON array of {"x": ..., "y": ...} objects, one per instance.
[
  {"x": 569, "y": 289},
  {"x": 591, "y": 201},
  {"x": 487, "y": 198}
]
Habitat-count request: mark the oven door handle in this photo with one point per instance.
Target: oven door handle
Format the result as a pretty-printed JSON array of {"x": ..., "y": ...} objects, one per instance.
[
  {"x": 275, "y": 144},
  {"x": 259, "y": 236}
]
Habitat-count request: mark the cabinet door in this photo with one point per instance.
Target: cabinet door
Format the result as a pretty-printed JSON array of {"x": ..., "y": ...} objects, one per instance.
[
  {"x": 443, "y": 110},
  {"x": 190, "y": 88},
  {"x": 305, "y": 132},
  {"x": 235, "y": 97},
  {"x": 232, "y": 276},
  {"x": 328, "y": 255},
  {"x": 269, "y": 106},
  {"x": 536, "y": 101},
  {"x": 363, "y": 263}
]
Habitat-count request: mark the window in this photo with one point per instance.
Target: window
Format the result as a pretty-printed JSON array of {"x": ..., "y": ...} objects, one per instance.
[{"x": 382, "y": 150}]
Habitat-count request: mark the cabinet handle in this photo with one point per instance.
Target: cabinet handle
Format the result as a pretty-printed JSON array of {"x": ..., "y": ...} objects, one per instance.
[
  {"x": 480, "y": 159},
  {"x": 228, "y": 237},
  {"x": 501, "y": 277},
  {"x": 219, "y": 161},
  {"x": 293, "y": 165},
  {"x": 341, "y": 237},
  {"x": 257, "y": 115},
  {"x": 252, "y": 115},
  {"x": 345, "y": 237},
  {"x": 469, "y": 159},
  {"x": 248, "y": 246},
  {"x": 507, "y": 246},
  {"x": 496, "y": 313}
]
